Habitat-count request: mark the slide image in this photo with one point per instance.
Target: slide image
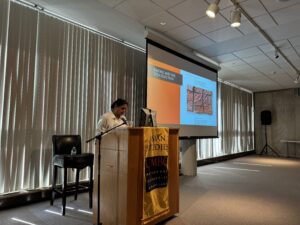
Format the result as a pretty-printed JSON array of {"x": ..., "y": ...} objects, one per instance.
[{"x": 199, "y": 100}]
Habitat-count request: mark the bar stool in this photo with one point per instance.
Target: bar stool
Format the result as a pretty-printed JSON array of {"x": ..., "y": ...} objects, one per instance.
[{"x": 63, "y": 146}]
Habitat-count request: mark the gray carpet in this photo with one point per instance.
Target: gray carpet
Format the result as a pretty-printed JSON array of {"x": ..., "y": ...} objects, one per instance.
[{"x": 251, "y": 190}]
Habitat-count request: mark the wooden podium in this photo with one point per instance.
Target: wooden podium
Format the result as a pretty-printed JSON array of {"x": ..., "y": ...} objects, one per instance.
[{"x": 122, "y": 174}]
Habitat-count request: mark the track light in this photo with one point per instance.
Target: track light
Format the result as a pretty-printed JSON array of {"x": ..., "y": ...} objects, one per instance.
[
  {"x": 235, "y": 18},
  {"x": 297, "y": 79},
  {"x": 276, "y": 54},
  {"x": 213, "y": 9}
]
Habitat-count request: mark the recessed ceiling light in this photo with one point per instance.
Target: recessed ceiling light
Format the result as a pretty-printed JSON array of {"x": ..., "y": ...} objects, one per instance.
[{"x": 163, "y": 23}]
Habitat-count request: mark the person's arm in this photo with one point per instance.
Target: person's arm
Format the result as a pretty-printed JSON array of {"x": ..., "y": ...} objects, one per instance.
[
  {"x": 98, "y": 129},
  {"x": 102, "y": 125}
]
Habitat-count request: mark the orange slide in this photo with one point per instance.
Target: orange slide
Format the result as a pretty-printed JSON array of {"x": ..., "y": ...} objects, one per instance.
[{"x": 164, "y": 96}]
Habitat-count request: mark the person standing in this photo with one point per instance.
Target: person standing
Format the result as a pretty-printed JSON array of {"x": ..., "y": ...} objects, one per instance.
[{"x": 114, "y": 117}]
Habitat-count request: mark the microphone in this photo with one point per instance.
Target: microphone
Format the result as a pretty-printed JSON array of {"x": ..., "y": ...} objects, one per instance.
[{"x": 124, "y": 119}]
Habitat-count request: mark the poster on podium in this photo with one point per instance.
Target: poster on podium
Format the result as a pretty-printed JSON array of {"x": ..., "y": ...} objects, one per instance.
[{"x": 156, "y": 153}]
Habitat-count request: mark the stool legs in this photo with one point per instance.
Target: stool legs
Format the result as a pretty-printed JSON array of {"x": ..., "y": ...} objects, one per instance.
[
  {"x": 76, "y": 183},
  {"x": 91, "y": 188},
  {"x": 54, "y": 177},
  {"x": 64, "y": 188}
]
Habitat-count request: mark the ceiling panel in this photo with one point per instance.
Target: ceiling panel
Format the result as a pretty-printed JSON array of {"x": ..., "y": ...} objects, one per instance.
[
  {"x": 272, "y": 5},
  {"x": 224, "y": 34},
  {"x": 111, "y": 3},
  {"x": 286, "y": 51},
  {"x": 287, "y": 15},
  {"x": 250, "y": 72},
  {"x": 182, "y": 33},
  {"x": 223, "y": 3},
  {"x": 269, "y": 69},
  {"x": 246, "y": 27},
  {"x": 243, "y": 67},
  {"x": 248, "y": 52},
  {"x": 189, "y": 10},
  {"x": 154, "y": 21},
  {"x": 224, "y": 58},
  {"x": 284, "y": 81},
  {"x": 138, "y": 9},
  {"x": 295, "y": 41},
  {"x": 258, "y": 84},
  {"x": 261, "y": 58},
  {"x": 266, "y": 48},
  {"x": 284, "y": 31},
  {"x": 198, "y": 42},
  {"x": 295, "y": 60},
  {"x": 247, "y": 41},
  {"x": 298, "y": 50},
  {"x": 166, "y": 4},
  {"x": 206, "y": 24},
  {"x": 288, "y": 69},
  {"x": 259, "y": 64},
  {"x": 282, "y": 44},
  {"x": 265, "y": 21},
  {"x": 253, "y": 8},
  {"x": 230, "y": 64}
]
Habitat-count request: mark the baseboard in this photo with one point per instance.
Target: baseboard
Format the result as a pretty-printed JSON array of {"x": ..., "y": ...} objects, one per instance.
[
  {"x": 203, "y": 162},
  {"x": 16, "y": 199}
]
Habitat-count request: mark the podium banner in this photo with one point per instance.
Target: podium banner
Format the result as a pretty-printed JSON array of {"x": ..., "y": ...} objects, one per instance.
[{"x": 155, "y": 193}]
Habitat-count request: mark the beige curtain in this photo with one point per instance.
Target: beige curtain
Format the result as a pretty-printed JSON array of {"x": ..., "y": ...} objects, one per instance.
[
  {"x": 235, "y": 120},
  {"x": 59, "y": 79},
  {"x": 4, "y": 8}
]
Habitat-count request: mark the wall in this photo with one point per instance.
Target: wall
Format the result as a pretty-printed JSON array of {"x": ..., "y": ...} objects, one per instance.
[{"x": 285, "y": 107}]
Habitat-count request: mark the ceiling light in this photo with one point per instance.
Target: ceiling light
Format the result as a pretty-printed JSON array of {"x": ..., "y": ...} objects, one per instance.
[
  {"x": 235, "y": 18},
  {"x": 213, "y": 9},
  {"x": 297, "y": 79}
]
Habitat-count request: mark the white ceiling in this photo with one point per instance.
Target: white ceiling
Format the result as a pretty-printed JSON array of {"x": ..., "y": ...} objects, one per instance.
[{"x": 245, "y": 57}]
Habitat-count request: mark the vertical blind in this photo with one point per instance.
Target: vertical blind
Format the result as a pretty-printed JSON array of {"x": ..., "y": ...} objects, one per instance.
[
  {"x": 235, "y": 120},
  {"x": 56, "y": 78}
]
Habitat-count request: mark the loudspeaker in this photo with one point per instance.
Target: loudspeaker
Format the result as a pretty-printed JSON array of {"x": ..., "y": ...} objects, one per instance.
[{"x": 266, "y": 117}]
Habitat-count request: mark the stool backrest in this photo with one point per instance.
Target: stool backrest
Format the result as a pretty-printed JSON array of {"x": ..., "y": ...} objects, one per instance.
[{"x": 63, "y": 144}]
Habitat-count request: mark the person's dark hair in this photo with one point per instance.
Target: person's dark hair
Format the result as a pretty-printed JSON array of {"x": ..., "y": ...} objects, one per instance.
[{"x": 118, "y": 102}]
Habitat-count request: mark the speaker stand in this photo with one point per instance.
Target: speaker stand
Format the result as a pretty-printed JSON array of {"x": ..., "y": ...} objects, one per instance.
[{"x": 267, "y": 146}]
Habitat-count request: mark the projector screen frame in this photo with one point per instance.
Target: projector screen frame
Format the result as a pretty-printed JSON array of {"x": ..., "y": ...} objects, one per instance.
[{"x": 182, "y": 56}]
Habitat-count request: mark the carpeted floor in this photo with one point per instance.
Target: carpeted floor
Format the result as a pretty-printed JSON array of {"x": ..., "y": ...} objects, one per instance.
[{"x": 251, "y": 190}]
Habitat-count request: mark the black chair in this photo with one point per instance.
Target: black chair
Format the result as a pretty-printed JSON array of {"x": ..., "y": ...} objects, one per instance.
[{"x": 62, "y": 158}]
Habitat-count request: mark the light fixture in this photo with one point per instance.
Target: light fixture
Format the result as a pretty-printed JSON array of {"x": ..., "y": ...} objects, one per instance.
[
  {"x": 213, "y": 9},
  {"x": 235, "y": 18},
  {"x": 276, "y": 54},
  {"x": 297, "y": 79}
]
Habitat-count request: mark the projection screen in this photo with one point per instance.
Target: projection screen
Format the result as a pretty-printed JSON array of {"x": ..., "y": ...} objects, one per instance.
[{"x": 182, "y": 91}]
